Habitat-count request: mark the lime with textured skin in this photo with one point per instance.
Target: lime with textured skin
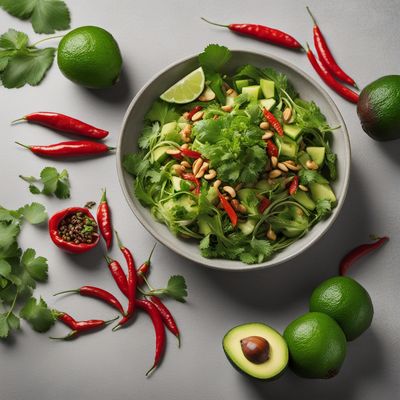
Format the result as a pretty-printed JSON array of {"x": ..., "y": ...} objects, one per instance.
[
  {"x": 90, "y": 57},
  {"x": 379, "y": 110},
  {"x": 347, "y": 302},
  {"x": 317, "y": 346}
]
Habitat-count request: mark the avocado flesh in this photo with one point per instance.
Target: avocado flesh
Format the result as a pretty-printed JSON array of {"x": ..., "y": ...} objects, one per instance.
[{"x": 278, "y": 353}]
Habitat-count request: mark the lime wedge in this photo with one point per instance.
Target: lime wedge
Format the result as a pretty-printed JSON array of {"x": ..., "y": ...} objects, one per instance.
[{"x": 187, "y": 89}]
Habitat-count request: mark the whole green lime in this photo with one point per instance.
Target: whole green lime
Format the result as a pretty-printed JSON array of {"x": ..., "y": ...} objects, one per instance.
[
  {"x": 379, "y": 108},
  {"x": 347, "y": 302},
  {"x": 90, "y": 57},
  {"x": 317, "y": 345}
]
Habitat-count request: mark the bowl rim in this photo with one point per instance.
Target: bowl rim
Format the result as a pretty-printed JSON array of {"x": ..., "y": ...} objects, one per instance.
[{"x": 211, "y": 263}]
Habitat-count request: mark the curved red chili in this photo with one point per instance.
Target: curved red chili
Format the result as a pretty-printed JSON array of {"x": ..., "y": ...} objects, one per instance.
[
  {"x": 131, "y": 284},
  {"x": 56, "y": 237},
  {"x": 104, "y": 219},
  {"x": 264, "y": 204},
  {"x": 262, "y": 32},
  {"x": 69, "y": 149},
  {"x": 358, "y": 252},
  {"x": 326, "y": 76},
  {"x": 159, "y": 329},
  {"x": 294, "y": 184},
  {"x": 97, "y": 293},
  {"x": 228, "y": 208},
  {"x": 190, "y": 153},
  {"x": 190, "y": 177},
  {"x": 118, "y": 274},
  {"x": 65, "y": 319},
  {"x": 64, "y": 123},
  {"x": 273, "y": 121},
  {"x": 167, "y": 317},
  {"x": 144, "y": 269},
  {"x": 272, "y": 149},
  {"x": 325, "y": 55}
]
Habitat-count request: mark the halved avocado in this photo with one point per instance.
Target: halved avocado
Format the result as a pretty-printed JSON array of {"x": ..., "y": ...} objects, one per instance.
[{"x": 278, "y": 354}]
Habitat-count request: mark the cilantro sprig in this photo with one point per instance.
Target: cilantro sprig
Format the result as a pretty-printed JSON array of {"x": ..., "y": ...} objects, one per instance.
[
  {"x": 46, "y": 16},
  {"x": 176, "y": 289},
  {"x": 54, "y": 183},
  {"x": 22, "y": 63},
  {"x": 20, "y": 271}
]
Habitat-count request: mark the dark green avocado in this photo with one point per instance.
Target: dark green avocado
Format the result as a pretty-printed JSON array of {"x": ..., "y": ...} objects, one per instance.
[
  {"x": 268, "y": 363},
  {"x": 379, "y": 108}
]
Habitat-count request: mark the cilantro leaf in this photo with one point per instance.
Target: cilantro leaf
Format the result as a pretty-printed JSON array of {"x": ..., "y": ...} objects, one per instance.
[
  {"x": 324, "y": 208},
  {"x": 176, "y": 288},
  {"x": 36, "y": 266},
  {"x": 5, "y": 268},
  {"x": 8, "y": 234},
  {"x": 34, "y": 213},
  {"x": 307, "y": 176},
  {"x": 47, "y": 16},
  {"x": 162, "y": 112},
  {"x": 21, "y": 63},
  {"x": 54, "y": 182},
  {"x": 4, "y": 328},
  {"x": 135, "y": 164},
  {"x": 37, "y": 314},
  {"x": 148, "y": 136}
]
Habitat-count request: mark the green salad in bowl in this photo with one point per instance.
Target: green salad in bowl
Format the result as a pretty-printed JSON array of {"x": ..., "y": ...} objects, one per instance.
[{"x": 235, "y": 161}]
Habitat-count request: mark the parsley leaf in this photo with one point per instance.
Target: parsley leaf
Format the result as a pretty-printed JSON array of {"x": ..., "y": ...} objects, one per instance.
[
  {"x": 38, "y": 315},
  {"x": 21, "y": 63},
  {"x": 34, "y": 213},
  {"x": 36, "y": 266},
  {"x": 47, "y": 16},
  {"x": 54, "y": 182}
]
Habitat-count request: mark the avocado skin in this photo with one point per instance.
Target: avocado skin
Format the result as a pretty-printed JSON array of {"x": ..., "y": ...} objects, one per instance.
[{"x": 379, "y": 108}]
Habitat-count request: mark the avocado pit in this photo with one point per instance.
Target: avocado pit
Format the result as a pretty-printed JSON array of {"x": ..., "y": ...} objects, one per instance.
[{"x": 255, "y": 349}]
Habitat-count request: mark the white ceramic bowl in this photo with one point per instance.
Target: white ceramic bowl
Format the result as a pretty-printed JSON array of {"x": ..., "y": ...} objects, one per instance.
[{"x": 308, "y": 89}]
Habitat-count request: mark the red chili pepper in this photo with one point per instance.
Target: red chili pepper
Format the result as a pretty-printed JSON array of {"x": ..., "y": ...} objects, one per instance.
[
  {"x": 85, "y": 326},
  {"x": 131, "y": 284},
  {"x": 167, "y": 317},
  {"x": 190, "y": 153},
  {"x": 190, "y": 177},
  {"x": 326, "y": 76},
  {"x": 325, "y": 55},
  {"x": 358, "y": 252},
  {"x": 272, "y": 149},
  {"x": 118, "y": 274},
  {"x": 264, "y": 33},
  {"x": 97, "y": 293},
  {"x": 193, "y": 111},
  {"x": 69, "y": 149},
  {"x": 56, "y": 237},
  {"x": 144, "y": 269},
  {"x": 159, "y": 329},
  {"x": 65, "y": 319},
  {"x": 64, "y": 123},
  {"x": 264, "y": 204},
  {"x": 294, "y": 184},
  {"x": 273, "y": 121},
  {"x": 104, "y": 220},
  {"x": 228, "y": 208}
]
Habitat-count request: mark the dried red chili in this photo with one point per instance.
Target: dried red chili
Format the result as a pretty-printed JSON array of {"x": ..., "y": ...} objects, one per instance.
[
  {"x": 264, "y": 204},
  {"x": 272, "y": 149},
  {"x": 273, "y": 121},
  {"x": 64, "y": 123},
  {"x": 104, "y": 219},
  {"x": 294, "y": 184},
  {"x": 264, "y": 33},
  {"x": 69, "y": 149},
  {"x": 74, "y": 229},
  {"x": 350, "y": 258}
]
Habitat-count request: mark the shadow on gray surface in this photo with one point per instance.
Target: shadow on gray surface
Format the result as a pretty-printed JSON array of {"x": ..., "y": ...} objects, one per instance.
[
  {"x": 91, "y": 261},
  {"x": 359, "y": 365},
  {"x": 390, "y": 149},
  {"x": 120, "y": 93}
]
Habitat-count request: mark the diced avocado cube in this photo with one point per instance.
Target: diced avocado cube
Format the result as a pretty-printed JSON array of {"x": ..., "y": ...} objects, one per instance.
[
  {"x": 263, "y": 185},
  {"x": 302, "y": 158},
  {"x": 288, "y": 147},
  {"x": 168, "y": 128},
  {"x": 247, "y": 227},
  {"x": 212, "y": 195},
  {"x": 241, "y": 83},
  {"x": 176, "y": 183},
  {"x": 293, "y": 131},
  {"x": 267, "y": 88},
  {"x": 248, "y": 198},
  {"x": 267, "y": 103},
  {"x": 304, "y": 199},
  {"x": 317, "y": 154},
  {"x": 252, "y": 91},
  {"x": 322, "y": 191},
  {"x": 230, "y": 100},
  {"x": 159, "y": 154}
]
